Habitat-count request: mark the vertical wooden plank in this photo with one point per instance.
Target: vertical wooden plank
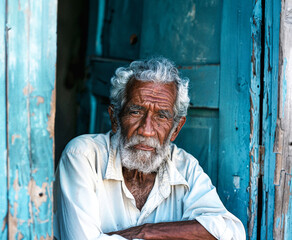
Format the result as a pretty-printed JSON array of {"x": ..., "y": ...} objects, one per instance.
[
  {"x": 269, "y": 114},
  {"x": 31, "y": 108},
  {"x": 3, "y": 147},
  {"x": 234, "y": 108},
  {"x": 255, "y": 89},
  {"x": 283, "y": 141}
]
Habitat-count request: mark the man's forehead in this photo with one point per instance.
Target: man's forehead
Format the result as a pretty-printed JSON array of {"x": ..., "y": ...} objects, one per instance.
[{"x": 152, "y": 89}]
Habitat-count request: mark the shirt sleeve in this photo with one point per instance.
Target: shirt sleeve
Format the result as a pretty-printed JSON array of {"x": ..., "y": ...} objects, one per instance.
[
  {"x": 203, "y": 204},
  {"x": 77, "y": 205}
]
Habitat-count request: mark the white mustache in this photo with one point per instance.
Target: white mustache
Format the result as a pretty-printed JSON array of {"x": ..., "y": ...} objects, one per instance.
[{"x": 150, "y": 142}]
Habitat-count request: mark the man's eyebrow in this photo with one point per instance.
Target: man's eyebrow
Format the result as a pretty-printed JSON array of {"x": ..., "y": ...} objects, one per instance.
[
  {"x": 167, "y": 113},
  {"x": 164, "y": 112},
  {"x": 135, "y": 107}
]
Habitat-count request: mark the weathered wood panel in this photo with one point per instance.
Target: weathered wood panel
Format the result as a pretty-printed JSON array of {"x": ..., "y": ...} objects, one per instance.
[
  {"x": 255, "y": 118},
  {"x": 3, "y": 148},
  {"x": 269, "y": 97},
  {"x": 283, "y": 141},
  {"x": 31, "y": 58},
  {"x": 188, "y": 32},
  {"x": 234, "y": 108}
]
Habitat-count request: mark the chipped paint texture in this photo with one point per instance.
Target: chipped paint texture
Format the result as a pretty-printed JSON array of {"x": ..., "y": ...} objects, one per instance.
[
  {"x": 255, "y": 87},
  {"x": 31, "y": 58},
  {"x": 283, "y": 191},
  {"x": 269, "y": 116},
  {"x": 3, "y": 144}
]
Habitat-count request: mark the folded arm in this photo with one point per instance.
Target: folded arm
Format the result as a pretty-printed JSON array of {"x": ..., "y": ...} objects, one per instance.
[{"x": 185, "y": 230}]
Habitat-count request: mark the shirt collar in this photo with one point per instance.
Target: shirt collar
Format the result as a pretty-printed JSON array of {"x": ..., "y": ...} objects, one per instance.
[
  {"x": 168, "y": 176},
  {"x": 114, "y": 165},
  {"x": 175, "y": 177},
  {"x": 167, "y": 172}
]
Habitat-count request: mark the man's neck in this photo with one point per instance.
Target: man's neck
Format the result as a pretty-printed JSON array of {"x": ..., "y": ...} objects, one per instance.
[{"x": 139, "y": 184}]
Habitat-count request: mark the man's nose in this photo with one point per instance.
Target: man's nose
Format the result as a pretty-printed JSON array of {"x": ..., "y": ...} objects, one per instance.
[{"x": 146, "y": 127}]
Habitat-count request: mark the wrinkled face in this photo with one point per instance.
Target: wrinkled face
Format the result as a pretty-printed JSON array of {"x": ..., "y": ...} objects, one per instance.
[
  {"x": 146, "y": 125},
  {"x": 148, "y": 112}
]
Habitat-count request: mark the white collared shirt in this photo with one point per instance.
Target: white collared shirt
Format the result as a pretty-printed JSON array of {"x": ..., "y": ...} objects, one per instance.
[{"x": 91, "y": 197}]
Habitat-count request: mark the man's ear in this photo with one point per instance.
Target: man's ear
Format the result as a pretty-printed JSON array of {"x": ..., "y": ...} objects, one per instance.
[
  {"x": 178, "y": 128},
  {"x": 113, "y": 118}
]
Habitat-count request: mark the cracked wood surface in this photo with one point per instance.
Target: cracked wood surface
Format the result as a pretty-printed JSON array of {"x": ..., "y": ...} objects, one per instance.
[{"x": 283, "y": 171}]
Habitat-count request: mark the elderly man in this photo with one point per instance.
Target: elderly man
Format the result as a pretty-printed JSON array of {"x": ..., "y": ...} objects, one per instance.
[{"x": 133, "y": 182}]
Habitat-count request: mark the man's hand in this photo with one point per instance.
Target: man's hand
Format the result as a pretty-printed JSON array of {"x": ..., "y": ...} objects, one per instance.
[{"x": 186, "y": 230}]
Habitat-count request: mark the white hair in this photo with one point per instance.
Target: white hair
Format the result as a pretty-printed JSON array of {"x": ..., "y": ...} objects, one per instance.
[{"x": 157, "y": 70}]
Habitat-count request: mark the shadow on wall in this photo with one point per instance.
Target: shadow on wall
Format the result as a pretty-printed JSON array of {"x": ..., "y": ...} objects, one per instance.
[{"x": 71, "y": 49}]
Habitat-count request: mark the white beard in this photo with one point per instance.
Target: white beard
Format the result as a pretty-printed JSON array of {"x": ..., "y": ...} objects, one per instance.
[{"x": 143, "y": 161}]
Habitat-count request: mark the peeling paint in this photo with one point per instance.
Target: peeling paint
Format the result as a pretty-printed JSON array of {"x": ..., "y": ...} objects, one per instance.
[
  {"x": 14, "y": 137},
  {"x": 37, "y": 194},
  {"x": 12, "y": 230},
  {"x": 236, "y": 182},
  {"x": 16, "y": 186},
  {"x": 271, "y": 126},
  {"x": 4, "y": 224},
  {"x": 20, "y": 236},
  {"x": 283, "y": 195},
  {"x": 28, "y": 89},
  {"x": 51, "y": 117},
  {"x": 254, "y": 148},
  {"x": 47, "y": 237},
  {"x": 40, "y": 100},
  {"x": 31, "y": 59},
  {"x": 3, "y": 129},
  {"x": 192, "y": 14}
]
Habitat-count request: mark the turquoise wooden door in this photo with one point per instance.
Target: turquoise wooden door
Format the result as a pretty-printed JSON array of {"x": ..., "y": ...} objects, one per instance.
[
  {"x": 27, "y": 103},
  {"x": 135, "y": 29},
  {"x": 211, "y": 43}
]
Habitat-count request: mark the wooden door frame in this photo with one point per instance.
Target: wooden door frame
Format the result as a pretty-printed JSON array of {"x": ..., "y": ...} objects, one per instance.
[
  {"x": 282, "y": 151},
  {"x": 27, "y": 85},
  {"x": 249, "y": 60}
]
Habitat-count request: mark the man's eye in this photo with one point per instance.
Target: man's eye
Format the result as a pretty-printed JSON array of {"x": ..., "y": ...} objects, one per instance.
[
  {"x": 135, "y": 112},
  {"x": 162, "y": 116}
]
